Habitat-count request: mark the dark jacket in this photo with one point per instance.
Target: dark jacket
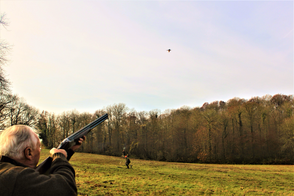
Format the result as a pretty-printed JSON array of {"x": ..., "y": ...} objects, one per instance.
[
  {"x": 128, "y": 161},
  {"x": 20, "y": 180}
]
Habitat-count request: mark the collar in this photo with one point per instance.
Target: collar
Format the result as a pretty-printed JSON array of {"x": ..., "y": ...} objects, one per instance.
[{"x": 9, "y": 160}]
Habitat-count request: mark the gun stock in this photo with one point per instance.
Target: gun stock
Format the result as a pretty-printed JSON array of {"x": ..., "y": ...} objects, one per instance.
[{"x": 70, "y": 141}]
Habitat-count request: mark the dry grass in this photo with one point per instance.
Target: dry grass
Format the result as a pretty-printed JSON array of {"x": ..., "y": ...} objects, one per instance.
[{"x": 107, "y": 175}]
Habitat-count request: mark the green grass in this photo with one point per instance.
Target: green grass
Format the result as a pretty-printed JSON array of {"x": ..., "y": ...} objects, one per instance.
[{"x": 107, "y": 175}]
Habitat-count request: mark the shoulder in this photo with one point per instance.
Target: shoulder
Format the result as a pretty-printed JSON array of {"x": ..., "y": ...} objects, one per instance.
[
  {"x": 8, "y": 169},
  {"x": 8, "y": 177},
  {"x": 19, "y": 180},
  {"x": 33, "y": 183},
  {"x": 11, "y": 172}
]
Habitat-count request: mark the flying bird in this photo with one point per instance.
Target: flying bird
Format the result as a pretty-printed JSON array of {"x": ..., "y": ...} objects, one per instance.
[{"x": 169, "y": 50}]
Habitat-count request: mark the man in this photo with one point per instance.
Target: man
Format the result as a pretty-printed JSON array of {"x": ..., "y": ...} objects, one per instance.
[
  {"x": 127, "y": 161},
  {"x": 20, "y": 154}
]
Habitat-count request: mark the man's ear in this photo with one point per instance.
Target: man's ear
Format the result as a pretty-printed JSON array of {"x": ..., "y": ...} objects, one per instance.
[{"x": 28, "y": 153}]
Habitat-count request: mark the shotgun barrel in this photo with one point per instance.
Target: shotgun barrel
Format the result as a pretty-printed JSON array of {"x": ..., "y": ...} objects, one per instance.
[{"x": 68, "y": 142}]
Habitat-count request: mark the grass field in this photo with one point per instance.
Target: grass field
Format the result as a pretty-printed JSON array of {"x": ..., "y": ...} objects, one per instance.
[{"x": 107, "y": 175}]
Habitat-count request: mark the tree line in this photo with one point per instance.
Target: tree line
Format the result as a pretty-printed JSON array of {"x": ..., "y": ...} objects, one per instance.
[{"x": 258, "y": 130}]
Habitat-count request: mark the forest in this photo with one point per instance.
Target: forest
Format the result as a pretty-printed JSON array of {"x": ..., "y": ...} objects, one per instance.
[
  {"x": 259, "y": 130},
  {"x": 255, "y": 131}
]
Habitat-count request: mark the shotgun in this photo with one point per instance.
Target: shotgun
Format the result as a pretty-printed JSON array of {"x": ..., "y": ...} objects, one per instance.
[{"x": 70, "y": 141}]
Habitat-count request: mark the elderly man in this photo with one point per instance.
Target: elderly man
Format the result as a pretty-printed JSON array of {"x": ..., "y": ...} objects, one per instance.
[{"x": 20, "y": 154}]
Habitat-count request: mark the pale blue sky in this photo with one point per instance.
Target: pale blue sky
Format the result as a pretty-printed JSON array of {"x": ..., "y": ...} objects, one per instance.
[{"x": 87, "y": 55}]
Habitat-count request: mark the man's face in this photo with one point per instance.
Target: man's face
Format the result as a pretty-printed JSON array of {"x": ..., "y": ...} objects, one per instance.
[{"x": 36, "y": 151}]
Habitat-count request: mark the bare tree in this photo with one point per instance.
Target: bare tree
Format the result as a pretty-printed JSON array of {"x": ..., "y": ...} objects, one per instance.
[{"x": 4, "y": 48}]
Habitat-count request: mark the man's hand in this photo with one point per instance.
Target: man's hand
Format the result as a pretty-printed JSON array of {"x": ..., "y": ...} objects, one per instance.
[
  {"x": 74, "y": 148},
  {"x": 54, "y": 150},
  {"x": 79, "y": 143}
]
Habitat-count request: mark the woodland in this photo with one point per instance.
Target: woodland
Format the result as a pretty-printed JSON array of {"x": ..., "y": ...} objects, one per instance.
[{"x": 255, "y": 131}]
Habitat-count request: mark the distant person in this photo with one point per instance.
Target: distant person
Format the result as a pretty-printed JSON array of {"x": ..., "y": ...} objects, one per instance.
[
  {"x": 19, "y": 156},
  {"x": 128, "y": 161}
]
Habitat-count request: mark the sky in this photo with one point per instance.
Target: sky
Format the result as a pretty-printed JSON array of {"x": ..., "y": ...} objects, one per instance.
[{"x": 86, "y": 55}]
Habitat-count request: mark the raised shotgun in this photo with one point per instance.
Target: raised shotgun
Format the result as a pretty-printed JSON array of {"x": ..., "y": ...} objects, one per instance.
[{"x": 70, "y": 141}]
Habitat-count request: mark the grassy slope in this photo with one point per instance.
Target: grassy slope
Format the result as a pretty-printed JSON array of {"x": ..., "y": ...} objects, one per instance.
[{"x": 107, "y": 175}]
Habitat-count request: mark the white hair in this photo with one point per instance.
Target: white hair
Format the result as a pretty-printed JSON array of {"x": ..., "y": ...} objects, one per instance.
[{"x": 15, "y": 139}]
